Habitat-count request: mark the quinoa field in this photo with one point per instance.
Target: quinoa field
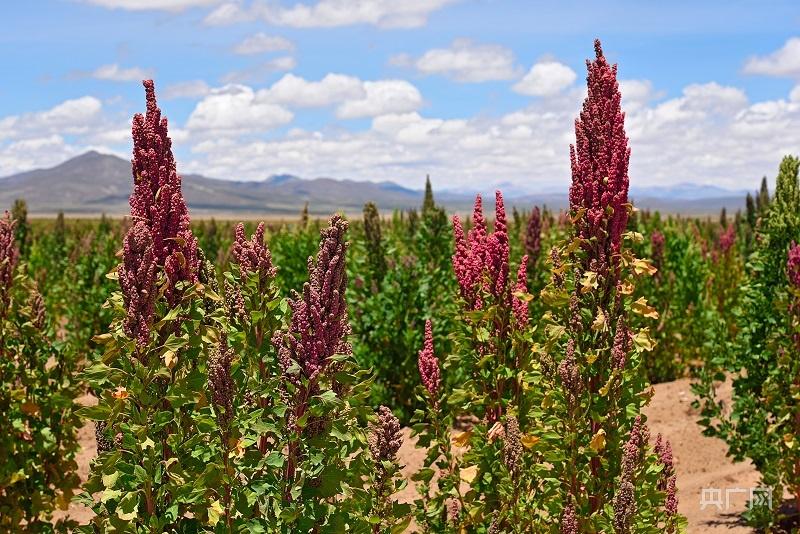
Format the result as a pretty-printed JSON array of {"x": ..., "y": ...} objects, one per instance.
[{"x": 513, "y": 369}]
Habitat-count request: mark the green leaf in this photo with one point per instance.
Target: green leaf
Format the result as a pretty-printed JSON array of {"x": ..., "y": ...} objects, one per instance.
[
  {"x": 274, "y": 459},
  {"x": 100, "y": 412}
]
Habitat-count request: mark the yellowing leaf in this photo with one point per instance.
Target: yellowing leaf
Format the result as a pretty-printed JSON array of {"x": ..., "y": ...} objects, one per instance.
[
  {"x": 120, "y": 393},
  {"x": 599, "y": 321},
  {"x": 636, "y": 237},
  {"x": 127, "y": 509},
  {"x": 607, "y": 387},
  {"x": 529, "y": 441},
  {"x": 642, "y": 340},
  {"x": 127, "y": 516},
  {"x": 102, "y": 339},
  {"x": 589, "y": 281},
  {"x": 591, "y": 357},
  {"x": 598, "y": 442},
  {"x": 63, "y": 499},
  {"x": 17, "y": 476},
  {"x": 574, "y": 245},
  {"x": 109, "y": 494},
  {"x": 110, "y": 480},
  {"x": 642, "y": 308},
  {"x": 468, "y": 474},
  {"x": 788, "y": 440},
  {"x": 579, "y": 215},
  {"x": 626, "y": 288},
  {"x": 523, "y": 296},
  {"x": 461, "y": 439},
  {"x": 641, "y": 266},
  {"x": 215, "y": 511},
  {"x": 554, "y": 332},
  {"x": 170, "y": 358},
  {"x": 238, "y": 449}
]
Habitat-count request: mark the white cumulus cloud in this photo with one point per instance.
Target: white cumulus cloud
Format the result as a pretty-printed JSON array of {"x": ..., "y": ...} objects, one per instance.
[
  {"x": 784, "y": 62},
  {"x": 330, "y": 13},
  {"x": 294, "y": 91},
  {"x": 382, "y": 97},
  {"x": 227, "y": 14},
  {"x": 236, "y": 109},
  {"x": 465, "y": 61},
  {"x": 546, "y": 78},
  {"x": 48, "y": 137},
  {"x": 261, "y": 43},
  {"x": 115, "y": 73}
]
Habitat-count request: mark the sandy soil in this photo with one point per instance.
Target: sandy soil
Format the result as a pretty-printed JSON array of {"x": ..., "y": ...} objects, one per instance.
[
  {"x": 87, "y": 451},
  {"x": 700, "y": 462}
]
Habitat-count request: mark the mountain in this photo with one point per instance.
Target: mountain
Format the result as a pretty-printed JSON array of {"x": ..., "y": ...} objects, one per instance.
[{"x": 95, "y": 183}]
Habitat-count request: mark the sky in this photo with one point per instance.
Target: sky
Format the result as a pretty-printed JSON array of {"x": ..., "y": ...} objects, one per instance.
[{"x": 476, "y": 93}]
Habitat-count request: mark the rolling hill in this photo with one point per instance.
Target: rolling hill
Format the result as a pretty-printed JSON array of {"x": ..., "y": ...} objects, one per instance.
[{"x": 95, "y": 183}]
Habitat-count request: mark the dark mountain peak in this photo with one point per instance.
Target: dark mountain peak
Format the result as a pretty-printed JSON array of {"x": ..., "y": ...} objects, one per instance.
[{"x": 91, "y": 157}]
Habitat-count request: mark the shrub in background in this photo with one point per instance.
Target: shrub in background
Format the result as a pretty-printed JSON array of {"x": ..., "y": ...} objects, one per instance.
[
  {"x": 762, "y": 423},
  {"x": 38, "y": 429},
  {"x": 386, "y": 319}
]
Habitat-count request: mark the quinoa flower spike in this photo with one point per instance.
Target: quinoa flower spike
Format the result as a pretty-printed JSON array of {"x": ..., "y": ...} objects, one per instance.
[
  {"x": 319, "y": 325},
  {"x": 157, "y": 199},
  {"x": 599, "y": 161}
]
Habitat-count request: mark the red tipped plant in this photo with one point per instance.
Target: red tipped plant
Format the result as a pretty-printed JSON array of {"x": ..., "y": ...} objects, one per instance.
[
  {"x": 137, "y": 279},
  {"x": 600, "y": 375},
  {"x": 428, "y": 365},
  {"x": 319, "y": 325},
  {"x": 253, "y": 256},
  {"x": 599, "y": 158},
  {"x": 481, "y": 258},
  {"x": 157, "y": 198},
  {"x": 9, "y": 255},
  {"x": 533, "y": 241}
]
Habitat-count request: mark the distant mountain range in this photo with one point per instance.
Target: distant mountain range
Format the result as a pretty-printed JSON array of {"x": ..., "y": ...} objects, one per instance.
[{"x": 95, "y": 183}]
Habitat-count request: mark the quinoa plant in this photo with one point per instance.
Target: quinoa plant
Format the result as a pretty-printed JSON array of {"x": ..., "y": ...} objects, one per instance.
[
  {"x": 38, "y": 429},
  {"x": 610, "y": 476},
  {"x": 762, "y": 423},
  {"x": 328, "y": 480},
  {"x": 152, "y": 473},
  {"x": 474, "y": 479},
  {"x": 533, "y": 241},
  {"x": 557, "y": 441},
  {"x": 376, "y": 256},
  {"x": 19, "y": 212}
]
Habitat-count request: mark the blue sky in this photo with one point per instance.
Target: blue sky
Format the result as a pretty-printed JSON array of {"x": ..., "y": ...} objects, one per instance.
[{"x": 475, "y": 92}]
